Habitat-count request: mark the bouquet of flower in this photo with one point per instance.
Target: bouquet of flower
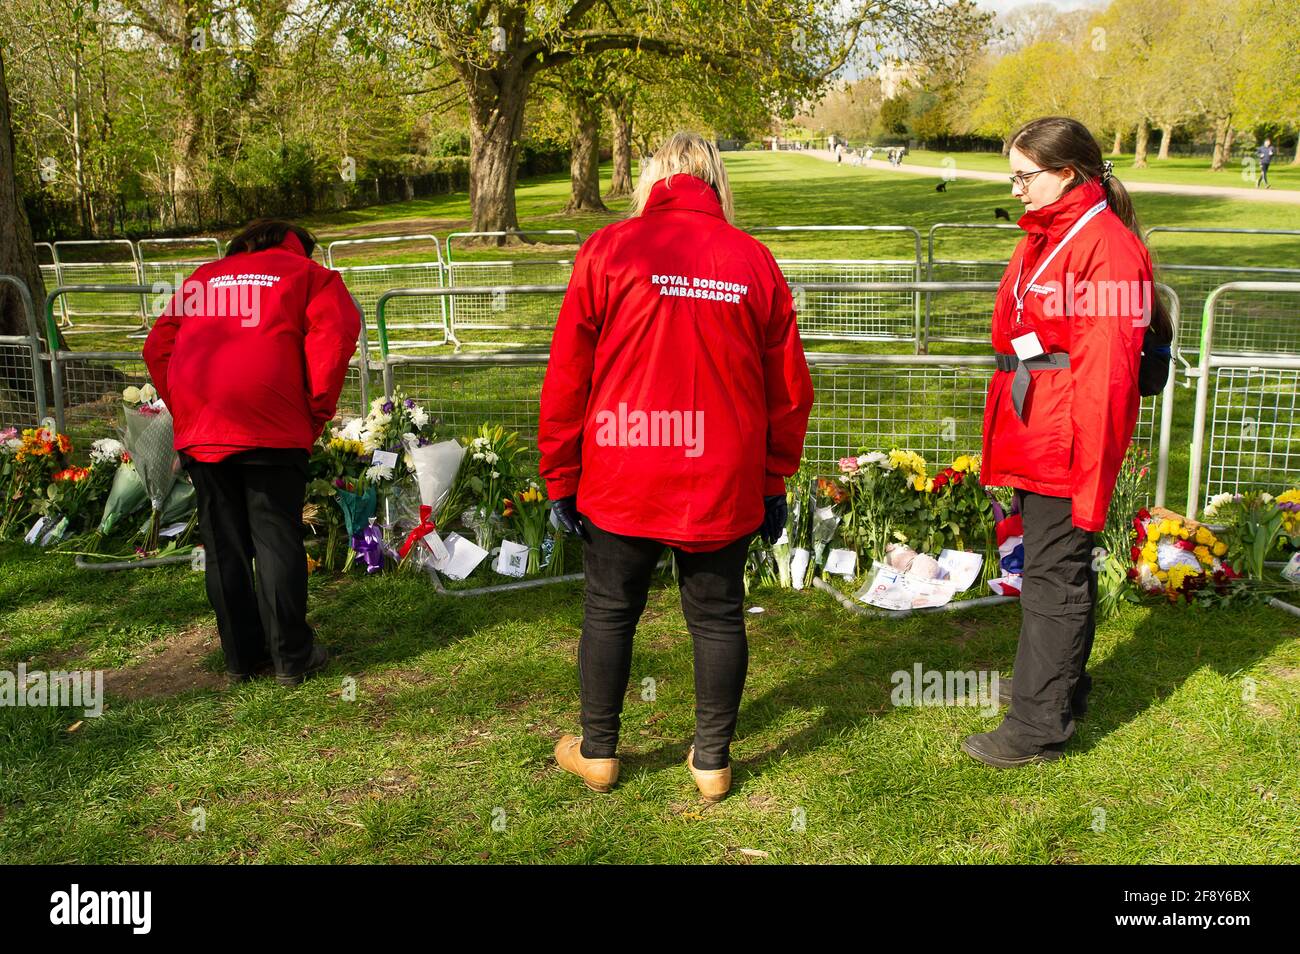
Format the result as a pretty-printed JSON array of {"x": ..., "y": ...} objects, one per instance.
[
  {"x": 1258, "y": 527},
  {"x": 830, "y": 502},
  {"x": 491, "y": 462},
  {"x": 149, "y": 439},
  {"x": 526, "y": 511},
  {"x": 28, "y": 461},
  {"x": 1174, "y": 557},
  {"x": 338, "y": 466}
]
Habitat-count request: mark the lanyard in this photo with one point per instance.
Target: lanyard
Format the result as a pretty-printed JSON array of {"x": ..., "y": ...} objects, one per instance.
[{"x": 1074, "y": 230}]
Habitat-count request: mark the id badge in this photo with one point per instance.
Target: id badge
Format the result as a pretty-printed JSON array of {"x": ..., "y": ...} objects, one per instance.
[{"x": 1027, "y": 346}]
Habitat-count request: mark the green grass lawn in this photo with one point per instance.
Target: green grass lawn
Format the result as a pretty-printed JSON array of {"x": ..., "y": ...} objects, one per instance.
[
  {"x": 458, "y": 703},
  {"x": 444, "y": 753},
  {"x": 1177, "y": 170}
]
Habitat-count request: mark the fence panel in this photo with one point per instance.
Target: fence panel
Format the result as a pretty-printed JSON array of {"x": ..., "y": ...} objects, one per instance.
[
  {"x": 882, "y": 313},
  {"x": 1194, "y": 283},
  {"x": 1250, "y": 404},
  {"x": 22, "y": 377},
  {"x": 933, "y": 404},
  {"x": 964, "y": 318},
  {"x": 171, "y": 260},
  {"x": 116, "y": 263},
  {"x": 424, "y": 323},
  {"x": 496, "y": 315}
]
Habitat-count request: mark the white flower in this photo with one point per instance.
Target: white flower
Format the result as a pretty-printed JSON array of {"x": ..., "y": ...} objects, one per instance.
[
  {"x": 106, "y": 450},
  {"x": 131, "y": 394},
  {"x": 147, "y": 393},
  {"x": 351, "y": 430},
  {"x": 495, "y": 475},
  {"x": 877, "y": 458},
  {"x": 1217, "y": 501},
  {"x": 377, "y": 472},
  {"x": 478, "y": 456},
  {"x": 419, "y": 416},
  {"x": 14, "y": 443},
  {"x": 491, "y": 457}
]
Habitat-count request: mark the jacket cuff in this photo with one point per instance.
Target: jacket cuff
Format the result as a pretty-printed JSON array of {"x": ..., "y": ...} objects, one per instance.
[
  {"x": 561, "y": 487},
  {"x": 773, "y": 485}
]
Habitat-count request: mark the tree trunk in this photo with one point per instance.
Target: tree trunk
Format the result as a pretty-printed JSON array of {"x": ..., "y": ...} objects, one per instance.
[
  {"x": 1006, "y": 146},
  {"x": 1166, "y": 134},
  {"x": 17, "y": 253},
  {"x": 621, "y": 180},
  {"x": 1118, "y": 146},
  {"x": 187, "y": 144},
  {"x": 496, "y": 123},
  {"x": 1141, "y": 142},
  {"x": 1222, "y": 142},
  {"x": 584, "y": 160}
]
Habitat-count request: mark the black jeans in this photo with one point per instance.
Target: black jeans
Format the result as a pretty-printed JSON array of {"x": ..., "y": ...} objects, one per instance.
[
  {"x": 618, "y": 572},
  {"x": 1058, "y": 622},
  {"x": 250, "y": 508}
]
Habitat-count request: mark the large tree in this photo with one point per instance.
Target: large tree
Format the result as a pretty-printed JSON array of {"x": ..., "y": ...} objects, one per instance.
[
  {"x": 17, "y": 253},
  {"x": 498, "y": 47}
]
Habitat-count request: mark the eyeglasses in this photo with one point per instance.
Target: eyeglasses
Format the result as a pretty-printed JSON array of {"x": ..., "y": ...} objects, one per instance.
[{"x": 1021, "y": 179}]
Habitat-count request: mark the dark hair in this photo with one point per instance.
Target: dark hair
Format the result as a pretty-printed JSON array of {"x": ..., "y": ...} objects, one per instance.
[
  {"x": 267, "y": 233},
  {"x": 1059, "y": 142}
]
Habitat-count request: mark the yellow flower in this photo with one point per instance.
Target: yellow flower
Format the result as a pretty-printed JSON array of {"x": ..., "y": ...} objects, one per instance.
[
  {"x": 1220, "y": 549},
  {"x": 1153, "y": 533},
  {"x": 1203, "y": 536},
  {"x": 918, "y": 482},
  {"x": 929, "y": 485},
  {"x": 1203, "y": 554}
]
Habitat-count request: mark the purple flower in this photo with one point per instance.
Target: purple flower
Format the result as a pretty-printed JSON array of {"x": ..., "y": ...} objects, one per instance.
[
  {"x": 409, "y": 402},
  {"x": 338, "y": 482},
  {"x": 388, "y": 407}
]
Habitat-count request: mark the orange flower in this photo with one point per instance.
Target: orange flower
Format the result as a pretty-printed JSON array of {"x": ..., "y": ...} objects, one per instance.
[{"x": 65, "y": 445}]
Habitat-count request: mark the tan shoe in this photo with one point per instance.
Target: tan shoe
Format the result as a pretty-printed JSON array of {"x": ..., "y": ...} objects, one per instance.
[
  {"x": 712, "y": 783},
  {"x": 599, "y": 774}
]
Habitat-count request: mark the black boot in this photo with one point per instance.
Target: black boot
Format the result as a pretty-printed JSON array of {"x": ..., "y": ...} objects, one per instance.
[{"x": 996, "y": 748}]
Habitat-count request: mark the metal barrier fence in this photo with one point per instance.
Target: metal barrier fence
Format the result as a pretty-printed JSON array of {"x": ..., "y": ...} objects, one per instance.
[
  {"x": 368, "y": 281},
  {"x": 491, "y": 319},
  {"x": 1194, "y": 283},
  {"x": 22, "y": 379},
  {"x": 96, "y": 272},
  {"x": 881, "y": 313},
  {"x": 165, "y": 269},
  {"x": 964, "y": 321},
  {"x": 1254, "y": 417},
  {"x": 933, "y": 404}
]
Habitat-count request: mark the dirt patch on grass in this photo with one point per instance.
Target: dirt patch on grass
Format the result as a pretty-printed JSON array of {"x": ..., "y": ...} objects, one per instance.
[
  {"x": 177, "y": 668},
  {"x": 417, "y": 226}
]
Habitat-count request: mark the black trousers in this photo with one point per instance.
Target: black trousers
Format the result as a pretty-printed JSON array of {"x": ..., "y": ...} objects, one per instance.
[
  {"x": 1058, "y": 622},
  {"x": 618, "y": 573},
  {"x": 250, "y": 509}
]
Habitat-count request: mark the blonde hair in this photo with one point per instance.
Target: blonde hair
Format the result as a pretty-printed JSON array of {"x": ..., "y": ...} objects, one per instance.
[{"x": 691, "y": 154}]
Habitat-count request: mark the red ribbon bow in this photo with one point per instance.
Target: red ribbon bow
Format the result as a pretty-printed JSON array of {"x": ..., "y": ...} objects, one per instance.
[{"x": 425, "y": 528}]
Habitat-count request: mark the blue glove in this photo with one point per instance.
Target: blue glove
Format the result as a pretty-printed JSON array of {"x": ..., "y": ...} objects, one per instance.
[
  {"x": 774, "y": 519},
  {"x": 566, "y": 512}
]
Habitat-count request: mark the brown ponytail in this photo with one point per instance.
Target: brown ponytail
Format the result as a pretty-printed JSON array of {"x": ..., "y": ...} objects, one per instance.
[{"x": 1058, "y": 142}]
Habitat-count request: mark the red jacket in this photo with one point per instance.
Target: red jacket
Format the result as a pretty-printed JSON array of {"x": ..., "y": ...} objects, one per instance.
[
  {"x": 1091, "y": 302},
  {"x": 252, "y": 351},
  {"x": 677, "y": 393}
]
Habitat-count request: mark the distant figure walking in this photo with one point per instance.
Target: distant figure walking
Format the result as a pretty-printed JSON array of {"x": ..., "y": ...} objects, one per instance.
[{"x": 1264, "y": 154}]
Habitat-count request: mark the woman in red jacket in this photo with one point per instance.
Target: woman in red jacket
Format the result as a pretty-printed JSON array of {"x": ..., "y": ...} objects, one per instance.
[
  {"x": 249, "y": 357},
  {"x": 1069, "y": 323},
  {"x": 674, "y": 406}
]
